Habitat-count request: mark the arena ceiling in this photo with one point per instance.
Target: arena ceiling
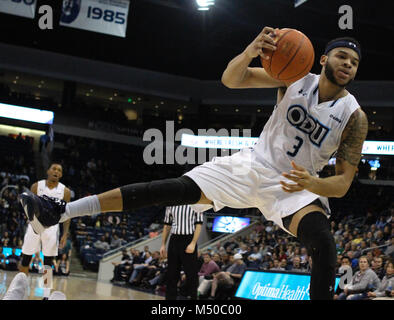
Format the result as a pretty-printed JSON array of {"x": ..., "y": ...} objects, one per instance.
[{"x": 172, "y": 36}]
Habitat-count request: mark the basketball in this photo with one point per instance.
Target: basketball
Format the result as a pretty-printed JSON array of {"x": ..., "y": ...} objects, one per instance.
[{"x": 292, "y": 59}]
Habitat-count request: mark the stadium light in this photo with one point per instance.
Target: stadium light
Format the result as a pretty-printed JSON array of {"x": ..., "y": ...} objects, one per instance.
[
  {"x": 203, "y": 5},
  {"x": 299, "y": 2}
]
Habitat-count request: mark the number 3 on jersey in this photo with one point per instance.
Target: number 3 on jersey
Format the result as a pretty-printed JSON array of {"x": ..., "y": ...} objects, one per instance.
[{"x": 296, "y": 147}]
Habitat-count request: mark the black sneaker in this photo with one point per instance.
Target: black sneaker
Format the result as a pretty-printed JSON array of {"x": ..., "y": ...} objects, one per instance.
[{"x": 42, "y": 212}]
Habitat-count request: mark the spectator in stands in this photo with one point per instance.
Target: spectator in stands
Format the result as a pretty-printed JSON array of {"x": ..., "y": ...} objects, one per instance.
[
  {"x": 377, "y": 266},
  {"x": 5, "y": 239},
  {"x": 296, "y": 265},
  {"x": 102, "y": 244},
  {"x": 379, "y": 239},
  {"x": 139, "y": 266},
  {"x": 386, "y": 232},
  {"x": 381, "y": 222},
  {"x": 340, "y": 230},
  {"x": 143, "y": 253},
  {"x": 386, "y": 288},
  {"x": 116, "y": 242},
  {"x": 355, "y": 250},
  {"x": 13, "y": 261},
  {"x": 276, "y": 266},
  {"x": 127, "y": 268},
  {"x": 254, "y": 259},
  {"x": 231, "y": 244},
  {"x": 363, "y": 281},
  {"x": 228, "y": 260},
  {"x": 107, "y": 237},
  {"x": 159, "y": 279},
  {"x": 218, "y": 259},
  {"x": 228, "y": 279},
  {"x": 62, "y": 266},
  {"x": 208, "y": 268},
  {"x": 118, "y": 265},
  {"x": 149, "y": 272},
  {"x": 390, "y": 249},
  {"x": 2, "y": 259},
  {"x": 36, "y": 263},
  {"x": 344, "y": 268},
  {"x": 304, "y": 258}
]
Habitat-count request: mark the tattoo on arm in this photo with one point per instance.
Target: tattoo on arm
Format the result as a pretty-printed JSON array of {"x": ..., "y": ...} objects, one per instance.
[{"x": 353, "y": 137}]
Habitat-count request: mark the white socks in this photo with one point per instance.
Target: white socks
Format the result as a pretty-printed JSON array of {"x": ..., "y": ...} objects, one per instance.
[{"x": 82, "y": 207}]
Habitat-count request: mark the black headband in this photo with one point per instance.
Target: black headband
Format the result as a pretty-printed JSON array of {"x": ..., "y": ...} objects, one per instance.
[{"x": 343, "y": 43}]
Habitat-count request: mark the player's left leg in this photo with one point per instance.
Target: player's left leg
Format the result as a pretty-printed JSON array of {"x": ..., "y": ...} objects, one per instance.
[
  {"x": 314, "y": 232},
  {"x": 43, "y": 212},
  {"x": 31, "y": 244},
  {"x": 50, "y": 245}
]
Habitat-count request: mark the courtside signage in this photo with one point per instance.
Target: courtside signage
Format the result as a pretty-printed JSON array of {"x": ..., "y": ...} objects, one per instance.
[
  {"x": 26, "y": 114},
  {"x": 257, "y": 285}
]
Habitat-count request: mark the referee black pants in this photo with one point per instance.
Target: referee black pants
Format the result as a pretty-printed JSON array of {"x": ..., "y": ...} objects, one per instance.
[{"x": 179, "y": 260}]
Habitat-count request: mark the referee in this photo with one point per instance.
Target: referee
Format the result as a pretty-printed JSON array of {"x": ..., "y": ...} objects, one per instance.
[{"x": 185, "y": 226}]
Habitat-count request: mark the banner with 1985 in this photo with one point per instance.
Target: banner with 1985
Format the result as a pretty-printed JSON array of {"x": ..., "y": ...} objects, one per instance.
[{"x": 103, "y": 16}]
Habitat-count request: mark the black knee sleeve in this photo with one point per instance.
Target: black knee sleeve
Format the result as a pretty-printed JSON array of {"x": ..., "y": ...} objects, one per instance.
[
  {"x": 48, "y": 261},
  {"x": 314, "y": 232},
  {"x": 169, "y": 192},
  {"x": 25, "y": 260}
]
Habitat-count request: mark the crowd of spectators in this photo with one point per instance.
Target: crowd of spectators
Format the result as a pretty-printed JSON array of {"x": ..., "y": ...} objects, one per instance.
[
  {"x": 365, "y": 245},
  {"x": 141, "y": 269},
  {"x": 17, "y": 170}
]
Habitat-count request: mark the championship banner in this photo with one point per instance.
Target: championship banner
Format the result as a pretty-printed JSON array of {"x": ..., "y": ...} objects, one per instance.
[
  {"x": 103, "y": 16},
  {"x": 22, "y": 8}
]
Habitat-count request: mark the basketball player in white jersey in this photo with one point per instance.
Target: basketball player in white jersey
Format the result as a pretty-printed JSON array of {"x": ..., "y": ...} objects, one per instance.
[
  {"x": 48, "y": 240},
  {"x": 314, "y": 117}
]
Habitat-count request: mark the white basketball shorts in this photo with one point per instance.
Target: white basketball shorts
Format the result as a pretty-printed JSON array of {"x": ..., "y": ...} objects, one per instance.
[
  {"x": 243, "y": 181},
  {"x": 47, "y": 241}
]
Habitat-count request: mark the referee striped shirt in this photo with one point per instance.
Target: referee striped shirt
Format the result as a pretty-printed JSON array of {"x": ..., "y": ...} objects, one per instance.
[{"x": 183, "y": 219}]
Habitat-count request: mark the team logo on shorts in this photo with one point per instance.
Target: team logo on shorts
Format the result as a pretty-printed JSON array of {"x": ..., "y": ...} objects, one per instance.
[{"x": 70, "y": 10}]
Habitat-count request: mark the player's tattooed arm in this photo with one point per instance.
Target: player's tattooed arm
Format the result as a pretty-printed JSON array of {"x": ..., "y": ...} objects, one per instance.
[{"x": 353, "y": 137}]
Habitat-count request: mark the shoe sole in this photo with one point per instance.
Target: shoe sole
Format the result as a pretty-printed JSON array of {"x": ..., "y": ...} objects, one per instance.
[{"x": 30, "y": 210}]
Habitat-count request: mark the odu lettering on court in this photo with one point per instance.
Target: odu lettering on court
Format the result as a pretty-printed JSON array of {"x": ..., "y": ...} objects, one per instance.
[{"x": 303, "y": 121}]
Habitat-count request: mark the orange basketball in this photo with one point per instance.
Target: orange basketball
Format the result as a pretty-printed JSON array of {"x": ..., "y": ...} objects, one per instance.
[{"x": 293, "y": 57}]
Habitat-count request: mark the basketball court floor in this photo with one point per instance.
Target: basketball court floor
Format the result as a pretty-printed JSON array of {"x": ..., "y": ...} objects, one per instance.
[{"x": 76, "y": 288}]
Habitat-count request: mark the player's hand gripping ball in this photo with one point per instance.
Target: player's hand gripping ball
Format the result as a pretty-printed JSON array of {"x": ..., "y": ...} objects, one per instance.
[{"x": 293, "y": 57}]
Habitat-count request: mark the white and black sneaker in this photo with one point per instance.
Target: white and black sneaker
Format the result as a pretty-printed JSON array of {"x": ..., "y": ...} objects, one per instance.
[
  {"x": 42, "y": 211},
  {"x": 18, "y": 288}
]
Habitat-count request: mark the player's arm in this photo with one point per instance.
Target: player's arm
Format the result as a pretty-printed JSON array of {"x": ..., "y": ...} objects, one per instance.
[
  {"x": 66, "y": 224},
  {"x": 34, "y": 187},
  {"x": 239, "y": 75},
  {"x": 347, "y": 159},
  {"x": 349, "y": 152}
]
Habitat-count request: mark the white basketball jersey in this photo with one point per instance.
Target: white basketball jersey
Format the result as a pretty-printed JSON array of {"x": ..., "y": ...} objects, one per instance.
[
  {"x": 57, "y": 192},
  {"x": 302, "y": 129}
]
